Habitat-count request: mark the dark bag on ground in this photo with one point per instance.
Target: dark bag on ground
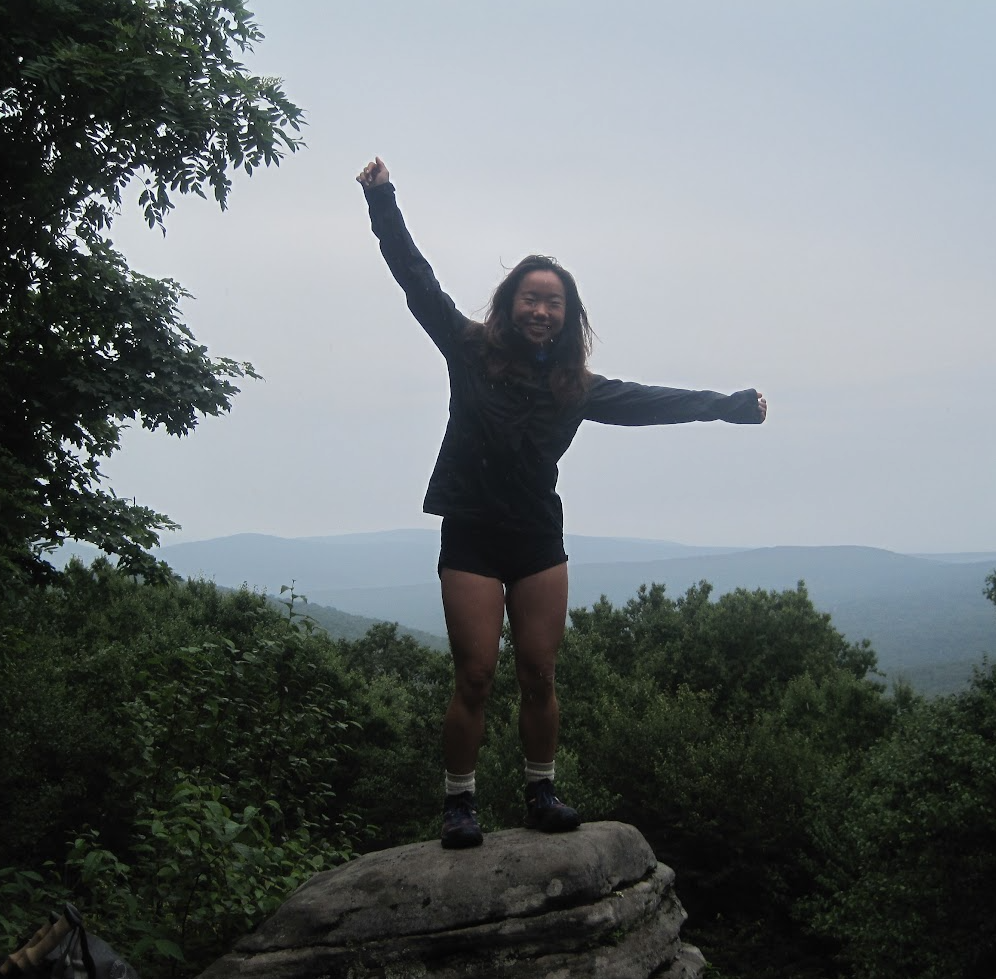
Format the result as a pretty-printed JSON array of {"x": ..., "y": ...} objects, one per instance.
[{"x": 61, "y": 949}]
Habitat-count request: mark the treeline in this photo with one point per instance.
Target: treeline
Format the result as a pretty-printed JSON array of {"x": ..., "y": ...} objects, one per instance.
[{"x": 176, "y": 759}]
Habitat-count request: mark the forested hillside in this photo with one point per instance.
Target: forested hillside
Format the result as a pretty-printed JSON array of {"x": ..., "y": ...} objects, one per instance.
[
  {"x": 178, "y": 758},
  {"x": 342, "y": 625}
]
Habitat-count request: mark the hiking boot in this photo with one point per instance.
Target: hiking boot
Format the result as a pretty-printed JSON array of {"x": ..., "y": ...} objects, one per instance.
[
  {"x": 460, "y": 827},
  {"x": 545, "y": 812}
]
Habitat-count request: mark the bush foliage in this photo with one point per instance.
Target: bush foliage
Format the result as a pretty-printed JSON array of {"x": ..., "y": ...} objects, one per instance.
[{"x": 170, "y": 761}]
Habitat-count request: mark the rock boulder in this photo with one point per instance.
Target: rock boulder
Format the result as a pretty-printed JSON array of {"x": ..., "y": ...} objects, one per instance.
[{"x": 592, "y": 903}]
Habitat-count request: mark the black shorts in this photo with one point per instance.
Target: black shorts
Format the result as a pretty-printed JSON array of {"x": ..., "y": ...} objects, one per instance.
[{"x": 493, "y": 553}]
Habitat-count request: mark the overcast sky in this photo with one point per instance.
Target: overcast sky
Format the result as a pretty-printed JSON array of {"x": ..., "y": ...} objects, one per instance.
[{"x": 797, "y": 197}]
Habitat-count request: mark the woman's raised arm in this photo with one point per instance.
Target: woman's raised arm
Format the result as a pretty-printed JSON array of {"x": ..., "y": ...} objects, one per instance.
[{"x": 432, "y": 307}]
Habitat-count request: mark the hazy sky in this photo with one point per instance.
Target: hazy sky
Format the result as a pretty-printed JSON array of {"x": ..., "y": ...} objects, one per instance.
[{"x": 797, "y": 197}]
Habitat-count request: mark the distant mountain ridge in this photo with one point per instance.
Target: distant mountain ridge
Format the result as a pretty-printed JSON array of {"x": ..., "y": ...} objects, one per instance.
[
  {"x": 382, "y": 559},
  {"x": 922, "y": 613}
]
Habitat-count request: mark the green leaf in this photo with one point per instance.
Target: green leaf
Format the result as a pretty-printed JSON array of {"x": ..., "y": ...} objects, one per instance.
[{"x": 169, "y": 949}]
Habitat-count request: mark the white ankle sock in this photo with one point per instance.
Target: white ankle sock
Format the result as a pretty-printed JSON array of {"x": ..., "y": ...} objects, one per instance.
[
  {"x": 537, "y": 770},
  {"x": 455, "y": 784}
]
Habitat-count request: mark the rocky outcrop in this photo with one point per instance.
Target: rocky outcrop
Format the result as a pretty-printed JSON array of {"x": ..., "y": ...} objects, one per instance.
[{"x": 592, "y": 903}]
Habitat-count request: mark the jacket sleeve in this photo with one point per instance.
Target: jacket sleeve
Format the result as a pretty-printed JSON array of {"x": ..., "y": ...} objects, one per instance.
[
  {"x": 432, "y": 307},
  {"x": 628, "y": 403}
]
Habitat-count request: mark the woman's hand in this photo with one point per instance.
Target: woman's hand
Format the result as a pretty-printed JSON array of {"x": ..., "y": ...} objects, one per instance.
[
  {"x": 373, "y": 174},
  {"x": 762, "y": 406}
]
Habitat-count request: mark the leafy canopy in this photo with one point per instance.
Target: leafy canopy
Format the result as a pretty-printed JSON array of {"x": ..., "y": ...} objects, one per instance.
[{"x": 98, "y": 98}]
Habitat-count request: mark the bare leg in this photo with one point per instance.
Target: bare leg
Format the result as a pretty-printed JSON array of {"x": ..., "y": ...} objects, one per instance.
[
  {"x": 537, "y": 614},
  {"x": 475, "y": 609}
]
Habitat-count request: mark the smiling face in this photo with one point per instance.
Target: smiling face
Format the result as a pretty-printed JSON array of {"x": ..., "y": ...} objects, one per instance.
[{"x": 539, "y": 307}]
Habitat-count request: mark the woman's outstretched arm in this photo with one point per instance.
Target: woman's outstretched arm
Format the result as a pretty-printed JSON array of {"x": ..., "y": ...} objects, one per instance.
[
  {"x": 615, "y": 402},
  {"x": 432, "y": 307}
]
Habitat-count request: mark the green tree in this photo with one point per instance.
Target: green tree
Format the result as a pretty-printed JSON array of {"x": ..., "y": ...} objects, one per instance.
[
  {"x": 742, "y": 648},
  {"x": 398, "y": 690},
  {"x": 710, "y": 726},
  {"x": 99, "y": 99},
  {"x": 909, "y": 845}
]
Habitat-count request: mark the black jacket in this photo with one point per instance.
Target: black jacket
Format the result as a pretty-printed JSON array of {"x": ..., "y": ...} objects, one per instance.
[{"x": 498, "y": 460}]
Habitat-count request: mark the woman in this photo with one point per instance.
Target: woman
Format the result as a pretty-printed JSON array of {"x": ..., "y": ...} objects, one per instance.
[{"x": 519, "y": 389}]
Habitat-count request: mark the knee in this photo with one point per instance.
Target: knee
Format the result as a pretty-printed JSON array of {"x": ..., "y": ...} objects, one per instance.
[
  {"x": 473, "y": 687},
  {"x": 537, "y": 682}
]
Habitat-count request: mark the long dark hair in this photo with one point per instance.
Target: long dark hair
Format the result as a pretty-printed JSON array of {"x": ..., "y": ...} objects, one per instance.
[{"x": 506, "y": 352}]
